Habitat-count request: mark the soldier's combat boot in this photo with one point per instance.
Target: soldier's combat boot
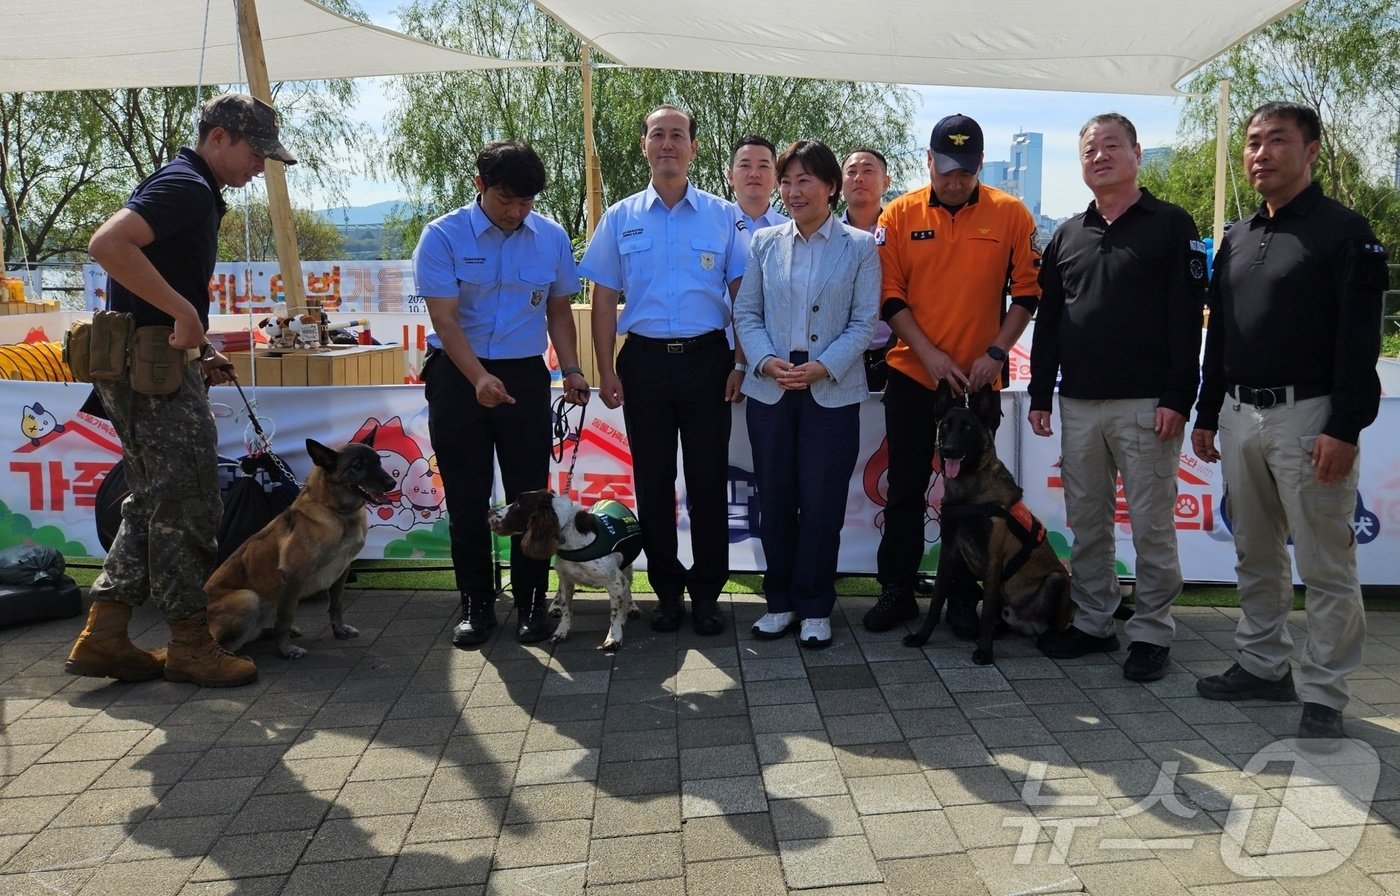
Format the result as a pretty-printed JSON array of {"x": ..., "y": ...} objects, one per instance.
[
  {"x": 195, "y": 656},
  {"x": 104, "y": 650}
]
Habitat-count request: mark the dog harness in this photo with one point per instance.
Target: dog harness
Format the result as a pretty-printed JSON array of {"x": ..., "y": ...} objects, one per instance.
[
  {"x": 1019, "y": 519},
  {"x": 618, "y": 533}
]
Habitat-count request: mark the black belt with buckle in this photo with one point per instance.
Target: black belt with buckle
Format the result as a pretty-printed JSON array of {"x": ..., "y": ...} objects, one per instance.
[
  {"x": 1263, "y": 399},
  {"x": 678, "y": 346}
]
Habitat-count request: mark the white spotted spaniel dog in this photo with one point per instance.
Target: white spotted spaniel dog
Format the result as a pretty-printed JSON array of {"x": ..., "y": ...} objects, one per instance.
[{"x": 594, "y": 548}]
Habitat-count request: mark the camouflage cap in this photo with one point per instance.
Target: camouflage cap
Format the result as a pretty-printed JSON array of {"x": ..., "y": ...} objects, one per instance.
[{"x": 249, "y": 118}]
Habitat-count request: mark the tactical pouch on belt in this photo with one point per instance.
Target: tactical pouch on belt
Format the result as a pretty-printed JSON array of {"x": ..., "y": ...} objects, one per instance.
[
  {"x": 96, "y": 350},
  {"x": 156, "y": 368}
]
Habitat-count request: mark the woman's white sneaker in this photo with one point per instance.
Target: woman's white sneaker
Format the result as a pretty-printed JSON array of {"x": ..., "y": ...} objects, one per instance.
[
  {"x": 815, "y": 633},
  {"x": 773, "y": 625}
]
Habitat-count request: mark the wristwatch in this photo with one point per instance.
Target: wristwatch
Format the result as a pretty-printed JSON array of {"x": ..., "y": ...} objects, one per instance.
[
  {"x": 996, "y": 353},
  {"x": 741, "y": 367}
]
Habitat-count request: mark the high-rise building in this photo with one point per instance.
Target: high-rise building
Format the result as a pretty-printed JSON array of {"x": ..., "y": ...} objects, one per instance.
[
  {"x": 1021, "y": 175},
  {"x": 1024, "y": 171}
]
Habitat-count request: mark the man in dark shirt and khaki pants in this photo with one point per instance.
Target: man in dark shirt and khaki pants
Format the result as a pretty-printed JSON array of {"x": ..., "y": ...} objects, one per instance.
[
  {"x": 1291, "y": 354},
  {"x": 1122, "y": 286}
]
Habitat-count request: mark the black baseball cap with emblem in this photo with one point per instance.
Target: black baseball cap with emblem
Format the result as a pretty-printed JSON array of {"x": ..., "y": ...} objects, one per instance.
[
  {"x": 249, "y": 118},
  {"x": 956, "y": 143}
]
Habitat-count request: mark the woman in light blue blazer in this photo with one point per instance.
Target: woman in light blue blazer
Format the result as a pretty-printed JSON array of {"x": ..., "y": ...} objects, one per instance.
[{"x": 804, "y": 314}]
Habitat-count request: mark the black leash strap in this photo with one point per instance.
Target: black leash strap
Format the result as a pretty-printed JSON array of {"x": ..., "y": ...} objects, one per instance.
[
  {"x": 265, "y": 440},
  {"x": 561, "y": 435}
]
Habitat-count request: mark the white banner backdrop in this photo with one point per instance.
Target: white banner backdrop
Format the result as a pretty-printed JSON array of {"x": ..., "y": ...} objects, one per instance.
[{"x": 55, "y": 459}]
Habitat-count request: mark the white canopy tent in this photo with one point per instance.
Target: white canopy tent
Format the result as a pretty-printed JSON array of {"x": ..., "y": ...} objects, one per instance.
[
  {"x": 107, "y": 44},
  {"x": 1125, "y": 47},
  {"x": 1129, "y": 47}
]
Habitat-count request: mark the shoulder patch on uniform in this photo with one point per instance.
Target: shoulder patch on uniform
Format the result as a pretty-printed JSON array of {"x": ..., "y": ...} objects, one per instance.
[
  {"x": 921, "y": 235},
  {"x": 1196, "y": 271},
  {"x": 1035, "y": 243},
  {"x": 879, "y": 236}
]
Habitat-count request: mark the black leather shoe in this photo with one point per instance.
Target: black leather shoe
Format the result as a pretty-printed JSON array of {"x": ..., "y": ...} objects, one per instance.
[
  {"x": 1320, "y": 723},
  {"x": 1073, "y": 643},
  {"x": 478, "y": 619},
  {"x": 895, "y": 605},
  {"x": 1237, "y": 684},
  {"x": 706, "y": 620},
  {"x": 667, "y": 617},
  {"x": 1146, "y": 662}
]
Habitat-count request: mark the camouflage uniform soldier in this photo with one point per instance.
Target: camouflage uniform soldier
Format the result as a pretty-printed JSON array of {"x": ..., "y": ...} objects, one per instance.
[{"x": 159, "y": 252}]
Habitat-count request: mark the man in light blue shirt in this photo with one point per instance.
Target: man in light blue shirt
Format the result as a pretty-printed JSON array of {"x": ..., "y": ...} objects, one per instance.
[
  {"x": 677, "y": 255},
  {"x": 753, "y": 177},
  {"x": 497, "y": 279}
]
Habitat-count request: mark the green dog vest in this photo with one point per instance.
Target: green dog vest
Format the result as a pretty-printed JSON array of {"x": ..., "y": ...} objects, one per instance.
[{"x": 618, "y": 533}]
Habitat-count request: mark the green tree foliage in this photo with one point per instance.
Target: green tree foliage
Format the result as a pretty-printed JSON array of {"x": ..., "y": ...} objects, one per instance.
[
  {"x": 317, "y": 238},
  {"x": 442, "y": 119},
  {"x": 70, "y": 159},
  {"x": 1338, "y": 56}
]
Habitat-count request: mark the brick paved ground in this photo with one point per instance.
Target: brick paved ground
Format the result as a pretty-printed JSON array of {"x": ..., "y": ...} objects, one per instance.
[{"x": 396, "y": 764}]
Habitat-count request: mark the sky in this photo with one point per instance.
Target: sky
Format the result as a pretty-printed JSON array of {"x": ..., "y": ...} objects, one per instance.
[{"x": 1001, "y": 113}]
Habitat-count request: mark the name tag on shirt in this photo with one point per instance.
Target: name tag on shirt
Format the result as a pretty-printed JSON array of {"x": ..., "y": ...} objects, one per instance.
[{"x": 921, "y": 235}]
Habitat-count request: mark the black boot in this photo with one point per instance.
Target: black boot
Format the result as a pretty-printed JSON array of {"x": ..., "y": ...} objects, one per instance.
[
  {"x": 705, "y": 617},
  {"x": 667, "y": 615},
  {"x": 962, "y": 616},
  {"x": 532, "y": 622},
  {"x": 478, "y": 618},
  {"x": 895, "y": 605}
]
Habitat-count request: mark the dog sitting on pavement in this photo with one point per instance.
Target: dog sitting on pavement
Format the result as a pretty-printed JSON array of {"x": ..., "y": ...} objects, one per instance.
[
  {"x": 306, "y": 549},
  {"x": 594, "y": 548},
  {"x": 988, "y": 526}
]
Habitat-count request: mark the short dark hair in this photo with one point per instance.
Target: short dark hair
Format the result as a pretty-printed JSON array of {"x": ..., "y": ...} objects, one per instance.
[
  {"x": 667, "y": 107},
  {"x": 1305, "y": 117},
  {"x": 513, "y": 166},
  {"x": 1117, "y": 118},
  {"x": 752, "y": 140},
  {"x": 817, "y": 159},
  {"x": 884, "y": 163}
]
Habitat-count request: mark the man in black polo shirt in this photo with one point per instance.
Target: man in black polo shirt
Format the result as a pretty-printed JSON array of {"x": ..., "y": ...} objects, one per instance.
[
  {"x": 1295, "y": 312},
  {"x": 1122, "y": 285},
  {"x": 159, "y": 252}
]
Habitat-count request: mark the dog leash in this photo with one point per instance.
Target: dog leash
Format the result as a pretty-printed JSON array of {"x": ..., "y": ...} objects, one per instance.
[
  {"x": 561, "y": 435},
  {"x": 264, "y": 441}
]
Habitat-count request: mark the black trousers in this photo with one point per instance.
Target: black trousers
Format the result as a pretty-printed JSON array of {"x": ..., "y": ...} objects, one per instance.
[
  {"x": 911, "y": 433},
  {"x": 670, "y": 396},
  {"x": 465, "y": 437}
]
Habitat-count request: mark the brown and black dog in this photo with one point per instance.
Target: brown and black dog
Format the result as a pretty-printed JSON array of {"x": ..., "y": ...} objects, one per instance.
[
  {"x": 986, "y": 524},
  {"x": 306, "y": 549}
]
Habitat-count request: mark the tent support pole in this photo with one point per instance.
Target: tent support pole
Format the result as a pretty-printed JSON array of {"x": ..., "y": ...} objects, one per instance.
[
  {"x": 1222, "y": 161},
  {"x": 279, "y": 202},
  {"x": 592, "y": 171}
]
